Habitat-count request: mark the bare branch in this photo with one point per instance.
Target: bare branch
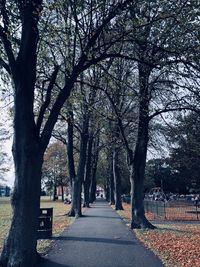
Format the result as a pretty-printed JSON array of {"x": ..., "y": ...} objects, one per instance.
[
  {"x": 47, "y": 99},
  {"x": 4, "y": 35}
]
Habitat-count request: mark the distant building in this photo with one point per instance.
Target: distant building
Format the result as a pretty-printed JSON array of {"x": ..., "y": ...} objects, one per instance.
[
  {"x": 61, "y": 189},
  {"x": 4, "y": 191}
]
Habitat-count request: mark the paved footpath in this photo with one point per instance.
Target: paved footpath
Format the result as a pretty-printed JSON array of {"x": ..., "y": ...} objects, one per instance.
[{"x": 99, "y": 239}]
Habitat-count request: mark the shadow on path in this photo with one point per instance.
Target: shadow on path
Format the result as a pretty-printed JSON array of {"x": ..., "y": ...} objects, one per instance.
[
  {"x": 99, "y": 239},
  {"x": 116, "y": 240},
  {"x": 102, "y": 217},
  {"x": 50, "y": 263}
]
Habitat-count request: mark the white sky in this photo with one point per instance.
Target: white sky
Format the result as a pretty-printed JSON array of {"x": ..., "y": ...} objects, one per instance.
[{"x": 6, "y": 120}]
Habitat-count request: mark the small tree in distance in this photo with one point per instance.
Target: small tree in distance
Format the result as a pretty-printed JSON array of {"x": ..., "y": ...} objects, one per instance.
[{"x": 54, "y": 171}]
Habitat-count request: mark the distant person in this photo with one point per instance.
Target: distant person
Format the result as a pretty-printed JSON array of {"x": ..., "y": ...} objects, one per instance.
[
  {"x": 67, "y": 201},
  {"x": 197, "y": 200}
]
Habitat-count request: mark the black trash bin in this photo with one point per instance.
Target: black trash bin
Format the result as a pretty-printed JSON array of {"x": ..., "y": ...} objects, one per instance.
[{"x": 45, "y": 223}]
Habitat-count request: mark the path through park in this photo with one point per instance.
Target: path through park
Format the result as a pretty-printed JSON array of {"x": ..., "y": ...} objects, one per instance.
[{"x": 99, "y": 239}]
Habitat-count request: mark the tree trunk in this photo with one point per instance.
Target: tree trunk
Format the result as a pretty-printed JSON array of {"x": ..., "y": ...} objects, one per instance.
[
  {"x": 117, "y": 180},
  {"x": 54, "y": 192},
  {"x": 93, "y": 183},
  {"x": 88, "y": 170},
  {"x": 111, "y": 179},
  {"x": 139, "y": 162},
  {"x": 112, "y": 196},
  {"x": 93, "y": 186},
  {"x": 116, "y": 168},
  {"x": 81, "y": 166},
  {"x": 20, "y": 246},
  {"x": 62, "y": 188},
  {"x": 76, "y": 199},
  {"x": 71, "y": 167},
  {"x": 107, "y": 189}
]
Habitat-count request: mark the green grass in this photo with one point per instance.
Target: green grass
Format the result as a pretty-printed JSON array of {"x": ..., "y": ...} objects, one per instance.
[
  {"x": 60, "y": 221},
  {"x": 5, "y": 218}
]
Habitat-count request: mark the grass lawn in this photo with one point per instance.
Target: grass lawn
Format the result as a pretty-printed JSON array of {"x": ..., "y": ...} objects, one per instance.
[
  {"x": 176, "y": 244},
  {"x": 60, "y": 221}
]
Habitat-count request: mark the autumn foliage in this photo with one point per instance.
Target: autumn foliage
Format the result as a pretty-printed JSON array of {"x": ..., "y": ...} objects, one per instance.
[{"x": 177, "y": 244}]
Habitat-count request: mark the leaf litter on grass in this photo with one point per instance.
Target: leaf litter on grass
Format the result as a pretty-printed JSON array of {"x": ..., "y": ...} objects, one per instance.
[{"x": 177, "y": 245}]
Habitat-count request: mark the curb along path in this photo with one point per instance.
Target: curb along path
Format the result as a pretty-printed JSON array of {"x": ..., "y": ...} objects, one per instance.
[{"x": 99, "y": 239}]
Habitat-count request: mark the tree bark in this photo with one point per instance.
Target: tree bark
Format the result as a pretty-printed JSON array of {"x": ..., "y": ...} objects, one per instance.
[
  {"x": 88, "y": 170},
  {"x": 107, "y": 189},
  {"x": 28, "y": 149},
  {"x": 54, "y": 192},
  {"x": 20, "y": 246},
  {"x": 111, "y": 179},
  {"x": 117, "y": 180},
  {"x": 116, "y": 169},
  {"x": 139, "y": 162},
  {"x": 62, "y": 189},
  {"x": 93, "y": 183},
  {"x": 71, "y": 166},
  {"x": 93, "y": 186},
  {"x": 81, "y": 166}
]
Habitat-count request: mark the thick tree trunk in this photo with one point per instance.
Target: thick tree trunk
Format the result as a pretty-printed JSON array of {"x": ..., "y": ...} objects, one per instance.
[
  {"x": 139, "y": 162},
  {"x": 138, "y": 219},
  {"x": 20, "y": 246},
  {"x": 88, "y": 171}
]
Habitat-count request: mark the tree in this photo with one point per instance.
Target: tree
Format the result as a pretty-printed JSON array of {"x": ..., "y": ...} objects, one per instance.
[
  {"x": 54, "y": 171},
  {"x": 32, "y": 137},
  {"x": 185, "y": 150},
  {"x": 153, "y": 57},
  {"x": 159, "y": 173},
  {"x": 179, "y": 172}
]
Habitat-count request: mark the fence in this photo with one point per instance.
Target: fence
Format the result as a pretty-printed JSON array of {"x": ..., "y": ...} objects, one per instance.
[{"x": 172, "y": 210}]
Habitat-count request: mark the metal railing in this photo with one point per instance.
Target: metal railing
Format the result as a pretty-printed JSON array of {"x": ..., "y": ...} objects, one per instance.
[{"x": 172, "y": 210}]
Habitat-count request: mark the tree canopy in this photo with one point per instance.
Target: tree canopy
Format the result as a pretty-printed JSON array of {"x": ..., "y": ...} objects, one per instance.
[{"x": 100, "y": 76}]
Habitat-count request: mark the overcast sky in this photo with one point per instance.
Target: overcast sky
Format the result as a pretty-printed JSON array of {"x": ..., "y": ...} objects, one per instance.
[{"x": 6, "y": 121}]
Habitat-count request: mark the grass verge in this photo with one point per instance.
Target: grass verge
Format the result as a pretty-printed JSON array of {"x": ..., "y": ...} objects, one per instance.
[{"x": 60, "y": 221}]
